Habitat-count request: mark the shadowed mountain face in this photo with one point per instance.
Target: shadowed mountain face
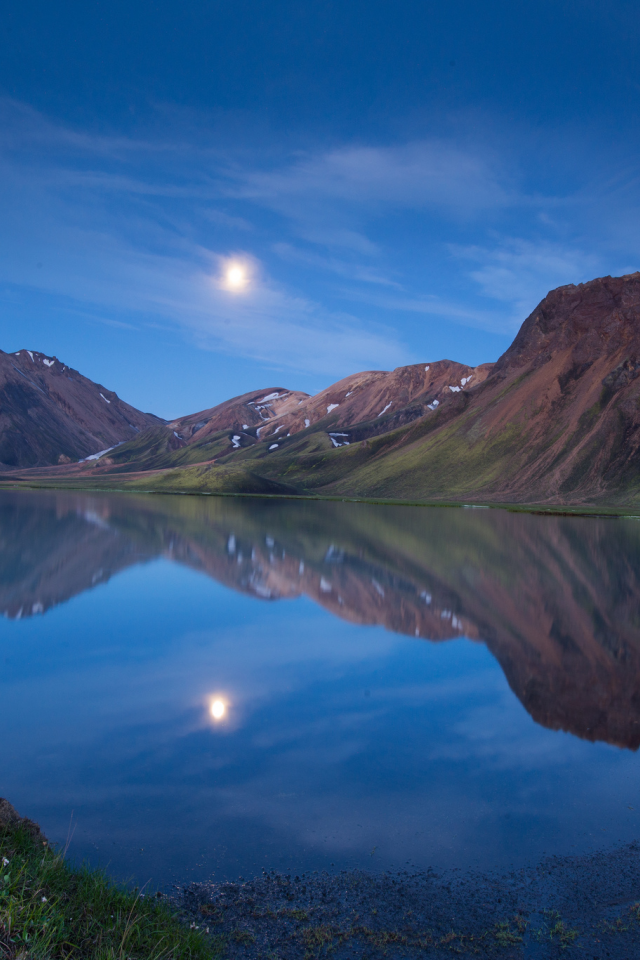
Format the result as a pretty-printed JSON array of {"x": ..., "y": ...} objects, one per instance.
[
  {"x": 555, "y": 599},
  {"x": 51, "y": 414}
]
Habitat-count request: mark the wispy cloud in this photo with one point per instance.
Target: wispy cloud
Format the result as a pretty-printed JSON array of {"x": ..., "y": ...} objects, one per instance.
[
  {"x": 280, "y": 329},
  {"x": 329, "y": 197},
  {"x": 514, "y": 271},
  {"x": 436, "y": 307},
  {"x": 430, "y": 173},
  {"x": 349, "y": 244},
  {"x": 362, "y": 273},
  {"x": 105, "y": 241}
]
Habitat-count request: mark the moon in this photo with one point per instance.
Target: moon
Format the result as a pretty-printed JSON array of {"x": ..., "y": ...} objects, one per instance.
[
  {"x": 218, "y": 709},
  {"x": 236, "y": 276}
]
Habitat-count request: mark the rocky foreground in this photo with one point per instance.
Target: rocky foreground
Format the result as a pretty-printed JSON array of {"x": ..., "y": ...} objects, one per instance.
[{"x": 566, "y": 906}]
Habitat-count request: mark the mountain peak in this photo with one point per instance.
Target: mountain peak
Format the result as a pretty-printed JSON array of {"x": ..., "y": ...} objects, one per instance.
[
  {"x": 601, "y": 316},
  {"x": 50, "y": 413}
]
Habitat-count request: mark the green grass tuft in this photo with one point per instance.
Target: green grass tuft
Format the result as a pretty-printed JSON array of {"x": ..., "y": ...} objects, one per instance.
[{"x": 50, "y": 910}]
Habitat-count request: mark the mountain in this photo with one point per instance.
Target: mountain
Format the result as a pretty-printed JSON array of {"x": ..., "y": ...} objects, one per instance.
[
  {"x": 372, "y": 402},
  {"x": 554, "y": 599},
  {"x": 51, "y": 414},
  {"x": 555, "y": 420},
  {"x": 251, "y": 411},
  {"x": 383, "y": 400}
]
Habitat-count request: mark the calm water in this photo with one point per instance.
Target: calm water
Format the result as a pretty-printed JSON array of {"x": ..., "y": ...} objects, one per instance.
[{"x": 444, "y": 687}]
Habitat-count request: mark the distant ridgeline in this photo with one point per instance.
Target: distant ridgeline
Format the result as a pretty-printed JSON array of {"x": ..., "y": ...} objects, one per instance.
[{"x": 555, "y": 420}]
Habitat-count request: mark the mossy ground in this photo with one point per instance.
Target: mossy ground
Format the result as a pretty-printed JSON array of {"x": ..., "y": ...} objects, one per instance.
[{"x": 50, "y": 910}]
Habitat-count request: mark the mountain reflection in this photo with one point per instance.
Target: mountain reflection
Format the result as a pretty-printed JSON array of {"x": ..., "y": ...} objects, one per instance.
[{"x": 555, "y": 599}]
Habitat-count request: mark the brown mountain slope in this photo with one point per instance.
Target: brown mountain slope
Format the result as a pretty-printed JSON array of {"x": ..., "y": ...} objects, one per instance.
[
  {"x": 51, "y": 414},
  {"x": 249, "y": 412},
  {"x": 377, "y": 401},
  {"x": 204, "y": 436},
  {"x": 569, "y": 383},
  {"x": 556, "y": 420},
  {"x": 393, "y": 398}
]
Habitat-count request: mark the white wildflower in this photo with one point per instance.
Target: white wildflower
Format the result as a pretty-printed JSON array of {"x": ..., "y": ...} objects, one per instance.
[
  {"x": 44, "y": 899},
  {"x": 5, "y": 862}
]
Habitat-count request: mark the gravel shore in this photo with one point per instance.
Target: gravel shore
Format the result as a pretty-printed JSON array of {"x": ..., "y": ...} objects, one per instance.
[{"x": 585, "y": 906}]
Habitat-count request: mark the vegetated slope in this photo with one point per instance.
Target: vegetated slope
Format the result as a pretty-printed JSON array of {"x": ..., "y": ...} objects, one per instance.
[
  {"x": 360, "y": 406},
  {"x": 557, "y": 419},
  {"x": 51, "y": 414},
  {"x": 205, "y": 435}
]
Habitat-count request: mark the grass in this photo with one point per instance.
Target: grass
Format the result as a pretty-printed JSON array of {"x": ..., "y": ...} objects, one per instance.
[{"x": 50, "y": 910}]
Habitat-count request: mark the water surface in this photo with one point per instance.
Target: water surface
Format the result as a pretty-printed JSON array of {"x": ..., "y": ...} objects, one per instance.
[{"x": 431, "y": 686}]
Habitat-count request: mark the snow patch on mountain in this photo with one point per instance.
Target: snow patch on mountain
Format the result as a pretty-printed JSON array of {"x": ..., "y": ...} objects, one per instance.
[{"x": 96, "y": 456}]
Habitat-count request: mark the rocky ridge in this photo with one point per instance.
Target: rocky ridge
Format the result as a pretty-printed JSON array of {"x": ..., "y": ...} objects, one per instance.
[
  {"x": 51, "y": 414},
  {"x": 380, "y": 398}
]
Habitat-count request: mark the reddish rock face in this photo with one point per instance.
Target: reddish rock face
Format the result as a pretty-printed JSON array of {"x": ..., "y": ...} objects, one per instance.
[
  {"x": 569, "y": 385},
  {"x": 385, "y": 399},
  {"x": 380, "y": 399},
  {"x": 51, "y": 414},
  {"x": 586, "y": 322},
  {"x": 249, "y": 412}
]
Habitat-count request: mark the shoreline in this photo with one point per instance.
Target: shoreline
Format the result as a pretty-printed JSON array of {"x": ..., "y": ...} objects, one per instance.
[
  {"x": 563, "y": 906},
  {"x": 602, "y": 512},
  {"x": 585, "y": 904}
]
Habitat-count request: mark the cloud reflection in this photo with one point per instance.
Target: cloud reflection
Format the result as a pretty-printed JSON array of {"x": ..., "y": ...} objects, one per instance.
[{"x": 334, "y": 739}]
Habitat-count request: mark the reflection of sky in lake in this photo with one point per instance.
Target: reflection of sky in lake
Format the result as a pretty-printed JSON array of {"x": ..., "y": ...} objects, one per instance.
[{"x": 341, "y": 744}]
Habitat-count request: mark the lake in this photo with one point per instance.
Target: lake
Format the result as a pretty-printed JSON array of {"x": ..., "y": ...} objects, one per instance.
[{"x": 201, "y": 686}]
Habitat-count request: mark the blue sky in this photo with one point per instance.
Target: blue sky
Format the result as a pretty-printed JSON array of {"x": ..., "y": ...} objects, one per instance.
[{"x": 401, "y": 182}]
